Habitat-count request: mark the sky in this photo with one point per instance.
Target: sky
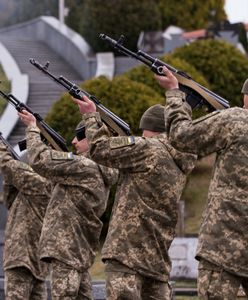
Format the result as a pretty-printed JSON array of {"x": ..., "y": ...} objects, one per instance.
[{"x": 237, "y": 10}]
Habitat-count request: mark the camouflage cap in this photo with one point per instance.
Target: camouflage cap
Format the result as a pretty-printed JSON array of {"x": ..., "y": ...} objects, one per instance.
[
  {"x": 153, "y": 119},
  {"x": 245, "y": 87}
]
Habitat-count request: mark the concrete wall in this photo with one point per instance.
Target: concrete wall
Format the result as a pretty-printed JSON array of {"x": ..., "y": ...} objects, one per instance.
[
  {"x": 19, "y": 86},
  {"x": 182, "y": 254},
  {"x": 64, "y": 41},
  {"x": 68, "y": 44}
]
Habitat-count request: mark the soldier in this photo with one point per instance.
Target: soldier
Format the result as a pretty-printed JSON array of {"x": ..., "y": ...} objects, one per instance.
[
  {"x": 223, "y": 237},
  {"x": 144, "y": 216},
  {"x": 26, "y": 195},
  {"x": 72, "y": 225},
  {"x": 245, "y": 92}
]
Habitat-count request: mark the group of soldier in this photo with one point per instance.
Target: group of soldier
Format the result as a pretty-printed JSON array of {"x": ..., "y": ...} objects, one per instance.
[{"x": 55, "y": 203}]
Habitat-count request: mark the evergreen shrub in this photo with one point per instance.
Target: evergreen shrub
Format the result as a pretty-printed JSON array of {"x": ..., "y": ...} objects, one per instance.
[{"x": 222, "y": 64}]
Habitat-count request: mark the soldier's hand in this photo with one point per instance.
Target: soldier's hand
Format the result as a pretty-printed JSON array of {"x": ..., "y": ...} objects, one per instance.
[
  {"x": 85, "y": 105},
  {"x": 27, "y": 118},
  {"x": 169, "y": 81}
]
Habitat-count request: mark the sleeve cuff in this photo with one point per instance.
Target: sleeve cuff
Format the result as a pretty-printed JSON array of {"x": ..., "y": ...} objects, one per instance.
[
  {"x": 32, "y": 129},
  {"x": 94, "y": 115},
  {"x": 175, "y": 93},
  {"x": 175, "y": 97}
]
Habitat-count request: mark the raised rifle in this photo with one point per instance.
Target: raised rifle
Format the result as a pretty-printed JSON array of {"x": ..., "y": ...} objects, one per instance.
[
  {"x": 47, "y": 133},
  {"x": 115, "y": 124},
  {"x": 9, "y": 147},
  {"x": 196, "y": 94}
]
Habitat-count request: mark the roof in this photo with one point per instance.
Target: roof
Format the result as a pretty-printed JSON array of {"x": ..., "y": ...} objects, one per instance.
[{"x": 201, "y": 33}]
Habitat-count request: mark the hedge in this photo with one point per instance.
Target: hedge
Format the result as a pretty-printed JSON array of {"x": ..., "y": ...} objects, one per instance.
[
  {"x": 222, "y": 64},
  {"x": 5, "y": 87}
]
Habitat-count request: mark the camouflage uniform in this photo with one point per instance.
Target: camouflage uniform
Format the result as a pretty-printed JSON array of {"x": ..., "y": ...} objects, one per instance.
[
  {"x": 223, "y": 236},
  {"x": 144, "y": 216},
  {"x": 125, "y": 283},
  {"x": 26, "y": 195},
  {"x": 72, "y": 226}
]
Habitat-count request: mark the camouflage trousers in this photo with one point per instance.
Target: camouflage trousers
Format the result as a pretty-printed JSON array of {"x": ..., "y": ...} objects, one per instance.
[
  {"x": 69, "y": 284},
  {"x": 20, "y": 284},
  {"x": 122, "y": 283},
  {"x": 216, "y": 284}
]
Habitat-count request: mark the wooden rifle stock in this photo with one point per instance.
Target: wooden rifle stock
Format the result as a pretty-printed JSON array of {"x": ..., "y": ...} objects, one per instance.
[
  {"x": 49, "y": 134},
  {"x": 115, "y": 124},
  {"x": 196, "y": 94}
]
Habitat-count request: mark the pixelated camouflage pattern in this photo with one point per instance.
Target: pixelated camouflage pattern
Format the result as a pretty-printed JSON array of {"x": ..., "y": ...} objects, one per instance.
[
  {"x": 9, "y": 193},
  {"x": 124, "y": 283},
  {"x": 215, "y": 283},
  {"x": 223, "y": 236},
  {"x": 72, "y": 224},
  {"x": 68, "y": 283},
  {"x": 25, "y": 215},
  {"x": 144, "y": 216},
  {"x": 20, "y": 284}
]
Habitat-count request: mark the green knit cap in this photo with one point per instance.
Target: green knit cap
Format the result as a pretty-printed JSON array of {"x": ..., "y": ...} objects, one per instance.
[
  {"x": 245, "y": 87},
  {"x": 153, "y": 119}
]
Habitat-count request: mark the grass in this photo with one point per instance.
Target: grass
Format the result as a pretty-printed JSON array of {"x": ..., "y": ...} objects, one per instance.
[
  {"x": 97, "y": 270},
  {"x": 195, "y": 194}
]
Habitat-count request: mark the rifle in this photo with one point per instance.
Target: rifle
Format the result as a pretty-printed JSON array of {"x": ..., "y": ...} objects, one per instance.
[
  {"x": 196, "y": 94},
  {"x": 9, "y": 147},
  {"x": 47, "y": 133},
  {"x": 115, "y": 124}
]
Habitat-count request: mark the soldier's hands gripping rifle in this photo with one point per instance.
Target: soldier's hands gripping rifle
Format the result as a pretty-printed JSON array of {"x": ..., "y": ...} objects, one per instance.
[
  {"x": 116, "y": 125},
  {"x": 9, "y": 147},
  {"x": 47, "y": 133},
  {"x": 196, "y": 94}
]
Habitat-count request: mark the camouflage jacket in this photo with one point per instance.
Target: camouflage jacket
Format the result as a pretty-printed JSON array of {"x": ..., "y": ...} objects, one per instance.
[
  {"x": 72, "y": 224},
  {"x": 144, "y": 216},
  {"x": 223, "y": 236},
  {"x": 26, "y": 195}
]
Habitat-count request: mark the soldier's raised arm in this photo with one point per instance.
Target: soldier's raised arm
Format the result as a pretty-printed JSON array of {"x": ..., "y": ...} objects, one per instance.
[
  {"x": 202, "y": 136},
  {"x": 222, "y": 240},
  {"x": 107, "y": 149}
]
